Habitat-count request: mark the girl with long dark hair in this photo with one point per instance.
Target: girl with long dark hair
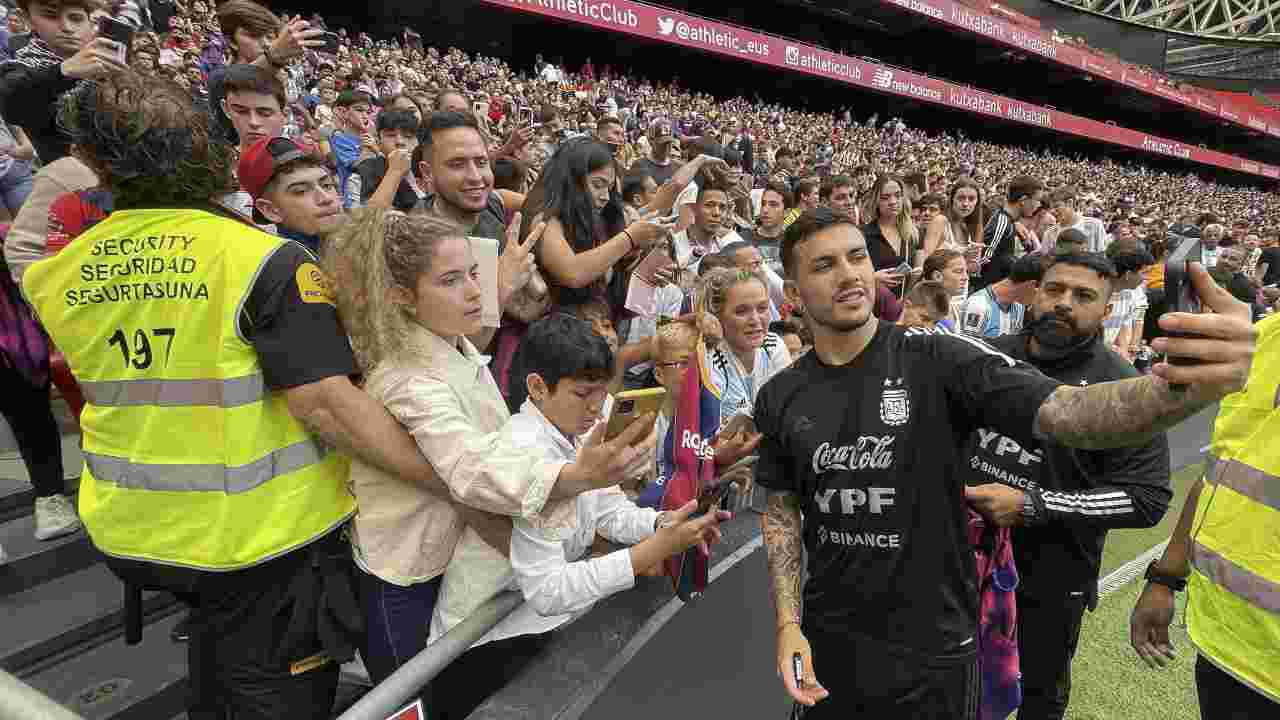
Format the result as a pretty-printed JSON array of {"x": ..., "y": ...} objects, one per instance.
[
  {"x": 586, "y": 236},
  {"x": 960, "y": 227}
]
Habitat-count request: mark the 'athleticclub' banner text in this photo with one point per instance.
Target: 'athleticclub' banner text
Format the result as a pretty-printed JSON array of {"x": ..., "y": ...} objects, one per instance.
[
  {"x": 666, "y": 25},
  {"x": 1041, "y": 43}
]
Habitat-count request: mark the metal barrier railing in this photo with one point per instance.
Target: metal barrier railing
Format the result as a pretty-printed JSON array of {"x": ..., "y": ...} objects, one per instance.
[
  {"x": 20, "y": 701},
  {"x": 404, "y": 684}
]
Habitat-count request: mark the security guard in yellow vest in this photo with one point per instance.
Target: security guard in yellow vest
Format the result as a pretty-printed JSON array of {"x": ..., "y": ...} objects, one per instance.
[
  {"x": 1225, "y": 552},
  {"x": 213, "y": 361}
]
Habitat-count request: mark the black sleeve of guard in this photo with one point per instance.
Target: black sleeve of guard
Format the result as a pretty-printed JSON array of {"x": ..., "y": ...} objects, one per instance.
[
  {"x": 298, "y": 341},
  {"x": 1133, "y": 491}
]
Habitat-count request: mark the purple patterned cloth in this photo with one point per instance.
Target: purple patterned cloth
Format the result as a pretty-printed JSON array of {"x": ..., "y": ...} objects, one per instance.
[
  {"x": 997, "y": 619},
  {"x": 23, "y": 344}
]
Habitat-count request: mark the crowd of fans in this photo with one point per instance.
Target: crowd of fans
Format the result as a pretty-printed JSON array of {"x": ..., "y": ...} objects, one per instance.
[{"x": 649, "y": 212}]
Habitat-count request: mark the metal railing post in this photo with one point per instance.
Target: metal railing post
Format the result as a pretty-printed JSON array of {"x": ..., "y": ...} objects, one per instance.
[
  {"x": 404, "y": 684},
  {"x": 20, "y": 701}
]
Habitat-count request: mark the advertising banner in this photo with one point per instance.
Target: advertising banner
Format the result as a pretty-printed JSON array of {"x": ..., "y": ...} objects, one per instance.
[
  {"x": 1042, "y": 43},
  {"x": 665, "y": 25}
]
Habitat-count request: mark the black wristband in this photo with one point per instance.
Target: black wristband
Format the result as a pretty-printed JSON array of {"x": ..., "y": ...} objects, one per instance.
[{"x": 1176, "y": 584}]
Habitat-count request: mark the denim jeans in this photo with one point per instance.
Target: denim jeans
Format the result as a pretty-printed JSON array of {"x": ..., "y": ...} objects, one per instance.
[
  {"x": 397, "y": 622},
  {"x": 15, "y": 186}
]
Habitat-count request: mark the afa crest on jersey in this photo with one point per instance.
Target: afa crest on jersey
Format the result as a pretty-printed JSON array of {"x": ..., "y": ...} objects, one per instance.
[{"x": 895, "y": 405}]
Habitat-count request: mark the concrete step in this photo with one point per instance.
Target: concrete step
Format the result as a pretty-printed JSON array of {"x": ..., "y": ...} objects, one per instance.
[
  {"x": 69, "y": 615},
  {"x": 32, "y": 562},
  {"x": 117, "y": 682}
]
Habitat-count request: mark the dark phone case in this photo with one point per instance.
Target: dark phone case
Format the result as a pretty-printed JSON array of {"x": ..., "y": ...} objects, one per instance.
[
  {"x": 115, "y": 30},
  {"x": 1178, "y": 289}
]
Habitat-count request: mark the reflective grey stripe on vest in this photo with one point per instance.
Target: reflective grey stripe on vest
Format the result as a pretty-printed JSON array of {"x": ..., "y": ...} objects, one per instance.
[
  {"x": 229, "y": 393},
  {"x": 1258, "y": 591},
  {"x": 204, "y": 478},
  {"x": 1250, "y": 482}
]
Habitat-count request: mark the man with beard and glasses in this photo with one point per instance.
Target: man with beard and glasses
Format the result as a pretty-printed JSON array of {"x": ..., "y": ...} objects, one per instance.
[
  {"x": 1076, "y": 495},
  {"x": 862, "y": 452}
]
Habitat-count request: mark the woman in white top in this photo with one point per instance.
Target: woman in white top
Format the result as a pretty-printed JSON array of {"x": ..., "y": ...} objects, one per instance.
[
  {"x": 741, "y": 363},
  {"x": 409, "y": 295},
  {"x": 961, "y": 226}
]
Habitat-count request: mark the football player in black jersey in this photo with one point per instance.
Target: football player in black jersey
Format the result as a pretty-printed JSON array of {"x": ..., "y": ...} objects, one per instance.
[{"x": 862, "y": 455}]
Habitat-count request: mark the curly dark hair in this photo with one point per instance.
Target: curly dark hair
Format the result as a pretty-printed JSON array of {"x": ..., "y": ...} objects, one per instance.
[{"x": 146, "y": 141}]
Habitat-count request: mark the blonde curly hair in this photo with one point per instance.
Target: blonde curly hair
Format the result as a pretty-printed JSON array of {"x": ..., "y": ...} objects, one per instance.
[
  {"x": 375, "y": 251},
  {"x": 713, "y": 288}
]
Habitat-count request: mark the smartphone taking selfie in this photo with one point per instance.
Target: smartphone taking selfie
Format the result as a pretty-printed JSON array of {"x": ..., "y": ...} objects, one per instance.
[
  {"x": 1181, "y": 294},
  {"x": 119, "y": 32},
  {"x": 330, "y": 43}
]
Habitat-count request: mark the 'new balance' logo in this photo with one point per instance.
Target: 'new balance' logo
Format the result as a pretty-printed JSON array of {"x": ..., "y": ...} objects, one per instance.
[{"x": 883, "y": 78}]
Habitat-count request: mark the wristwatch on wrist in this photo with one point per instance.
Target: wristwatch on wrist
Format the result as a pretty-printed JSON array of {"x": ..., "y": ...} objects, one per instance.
[
  {"x": 1030, "y": 513},
  {"x": 1176, "y": 584}
]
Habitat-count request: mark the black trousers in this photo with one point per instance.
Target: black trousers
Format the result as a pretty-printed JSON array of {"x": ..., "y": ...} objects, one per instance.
[
  {"x": 256, "y": 652},
  {"x": 1222, "y": 697},
  {"x": 1048, "y": 633},
  {"x": 26, "y": 409},
  {"x": 868, "y": 683}
]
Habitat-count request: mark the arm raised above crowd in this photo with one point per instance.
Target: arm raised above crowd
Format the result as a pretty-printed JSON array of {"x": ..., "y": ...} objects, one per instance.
[
  {"x": 671, "y": 189},
  {"x": 1130, "y": 412}
]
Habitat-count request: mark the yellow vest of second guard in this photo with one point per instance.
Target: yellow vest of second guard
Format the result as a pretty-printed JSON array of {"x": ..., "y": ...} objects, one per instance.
[
  {"x": 190, "y": 460},
  {"x": 1233, "y": 601}
]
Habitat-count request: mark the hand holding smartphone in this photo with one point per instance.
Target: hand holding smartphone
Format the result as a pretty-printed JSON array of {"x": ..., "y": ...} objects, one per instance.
[
  {"x": 630, "y": 406},
  {"x": 119, "y": 32},
  {"x": 1181, "y": 293}
]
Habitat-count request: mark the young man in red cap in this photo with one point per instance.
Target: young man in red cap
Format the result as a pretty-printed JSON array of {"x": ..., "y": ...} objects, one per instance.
[{"x": 291, "y": 189}]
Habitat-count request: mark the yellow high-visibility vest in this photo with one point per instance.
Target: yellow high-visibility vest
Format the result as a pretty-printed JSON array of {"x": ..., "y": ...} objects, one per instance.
[
  {"x": 190, "y": 460},
  {"x": 1233, "y": 602}
]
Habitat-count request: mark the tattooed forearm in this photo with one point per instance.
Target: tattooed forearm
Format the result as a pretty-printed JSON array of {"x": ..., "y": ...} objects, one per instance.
[
  {"x": 1113, "y": 414},
  {"x": 781, "y": 526}
]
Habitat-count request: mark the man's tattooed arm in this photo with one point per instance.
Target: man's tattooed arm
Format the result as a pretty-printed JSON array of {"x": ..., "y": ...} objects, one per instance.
[
  {"x": 781, "y": 526},
  {"x": 1114, "y": 414}
]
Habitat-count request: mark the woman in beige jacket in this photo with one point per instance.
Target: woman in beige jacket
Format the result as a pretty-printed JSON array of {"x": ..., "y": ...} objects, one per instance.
[{"x": 409, "y": 294}]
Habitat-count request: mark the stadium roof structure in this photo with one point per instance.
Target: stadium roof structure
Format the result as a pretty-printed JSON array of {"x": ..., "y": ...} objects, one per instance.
[{"x": 1251, "y": 21}]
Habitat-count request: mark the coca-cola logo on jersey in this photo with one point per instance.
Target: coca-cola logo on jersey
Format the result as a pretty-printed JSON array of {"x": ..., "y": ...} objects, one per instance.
[{"x": 871, "y": 452}]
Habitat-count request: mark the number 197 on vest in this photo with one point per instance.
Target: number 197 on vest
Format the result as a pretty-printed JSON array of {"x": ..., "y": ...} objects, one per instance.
[{"x": 140, "y": 354}]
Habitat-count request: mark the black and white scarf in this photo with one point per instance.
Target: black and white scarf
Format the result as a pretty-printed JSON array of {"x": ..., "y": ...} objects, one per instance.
[{"x": 36, "y": 55}]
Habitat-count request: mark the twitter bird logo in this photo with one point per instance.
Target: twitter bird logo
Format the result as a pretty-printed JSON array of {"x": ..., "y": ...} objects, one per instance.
[{"x": 666, "y": 25}]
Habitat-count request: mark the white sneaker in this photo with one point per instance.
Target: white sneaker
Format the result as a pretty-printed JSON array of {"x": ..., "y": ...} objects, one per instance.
[{"x": 55, "y": 517}]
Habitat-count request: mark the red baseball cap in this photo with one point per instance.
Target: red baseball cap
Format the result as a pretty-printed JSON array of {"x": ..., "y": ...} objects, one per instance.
[{"x": 259, "y": 163}]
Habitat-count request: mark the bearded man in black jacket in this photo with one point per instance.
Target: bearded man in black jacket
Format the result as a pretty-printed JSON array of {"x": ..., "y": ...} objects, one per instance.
[{"x": 1069, "y": 498}]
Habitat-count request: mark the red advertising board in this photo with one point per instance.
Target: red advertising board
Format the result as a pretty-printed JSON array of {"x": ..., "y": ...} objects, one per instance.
[
  {"x": 666, "y": 25},
  {"x": 1042, "y": 43}
]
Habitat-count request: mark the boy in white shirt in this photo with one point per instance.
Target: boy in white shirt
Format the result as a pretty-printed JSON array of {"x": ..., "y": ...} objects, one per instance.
[{"x": 568, "y": 368}]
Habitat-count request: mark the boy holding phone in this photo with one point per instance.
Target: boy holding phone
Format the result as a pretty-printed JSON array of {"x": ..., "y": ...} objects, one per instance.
[{"x": 63, "y": 50}]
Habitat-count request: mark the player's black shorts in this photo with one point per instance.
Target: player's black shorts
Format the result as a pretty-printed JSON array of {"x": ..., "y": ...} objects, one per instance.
[{"x": 866, "y": 681}]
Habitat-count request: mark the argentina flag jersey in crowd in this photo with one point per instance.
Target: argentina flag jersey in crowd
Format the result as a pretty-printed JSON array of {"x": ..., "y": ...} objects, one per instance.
[
  {"x": 736, "y": 386},
  {"x": 874, "y": 450}
]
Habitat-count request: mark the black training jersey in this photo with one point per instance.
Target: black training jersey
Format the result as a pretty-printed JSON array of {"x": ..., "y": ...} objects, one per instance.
[{"x": 873, "y": 448}]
